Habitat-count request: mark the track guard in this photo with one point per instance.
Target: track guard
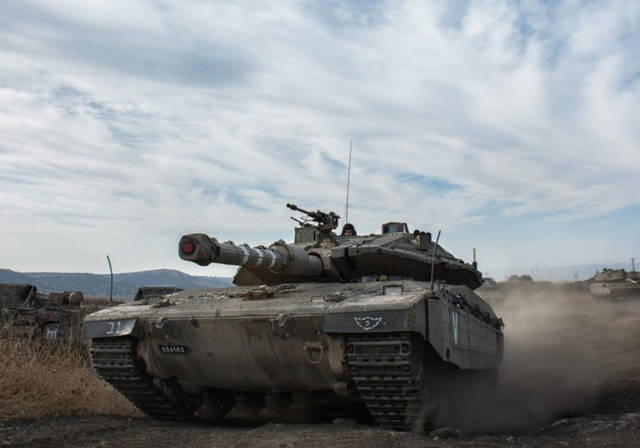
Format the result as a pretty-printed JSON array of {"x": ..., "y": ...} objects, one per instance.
[{"x": 111, "y": 328}]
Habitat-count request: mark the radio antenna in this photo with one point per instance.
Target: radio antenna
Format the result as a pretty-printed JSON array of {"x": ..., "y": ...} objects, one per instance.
[
  {"x": 346, "y": 207},
  {"x": 433, "y": 260}
]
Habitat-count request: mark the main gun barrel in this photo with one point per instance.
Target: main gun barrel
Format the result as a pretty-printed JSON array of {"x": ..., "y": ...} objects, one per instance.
[{"x": 278, "y": 258}]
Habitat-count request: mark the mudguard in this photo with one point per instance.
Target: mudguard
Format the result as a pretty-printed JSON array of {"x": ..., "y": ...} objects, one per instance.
[{"x": 110, "y": 328}]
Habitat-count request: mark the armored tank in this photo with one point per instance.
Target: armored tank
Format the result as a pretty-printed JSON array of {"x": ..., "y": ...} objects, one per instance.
[
  {"x": 380, "y": 322},
  {"x": 615, "y": 284},
  {"x": 54, "y": 316}
]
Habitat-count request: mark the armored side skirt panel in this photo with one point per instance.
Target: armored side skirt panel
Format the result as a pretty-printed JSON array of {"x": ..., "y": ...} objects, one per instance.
[
  {"x": 457, "y": 336},
  {"x": 463, "y": 339}
]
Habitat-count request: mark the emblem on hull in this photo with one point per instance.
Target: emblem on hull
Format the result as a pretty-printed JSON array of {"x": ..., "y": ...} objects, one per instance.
[{"x": 367, "y": 323}]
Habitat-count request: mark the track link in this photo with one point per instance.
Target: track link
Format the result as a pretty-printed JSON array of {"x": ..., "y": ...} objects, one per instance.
[
  {"x": 116, "y": 362},
  {"x": 387, "y": 372}
]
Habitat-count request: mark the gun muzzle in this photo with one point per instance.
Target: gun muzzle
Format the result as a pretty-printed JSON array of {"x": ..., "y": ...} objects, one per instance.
[{"x": 280, "y": 257}]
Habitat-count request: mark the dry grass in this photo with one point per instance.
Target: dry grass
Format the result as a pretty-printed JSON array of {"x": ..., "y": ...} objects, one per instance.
[{"x": 41, "y": 379}]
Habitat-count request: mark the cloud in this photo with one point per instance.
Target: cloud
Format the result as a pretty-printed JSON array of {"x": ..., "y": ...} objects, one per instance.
[{"x": 125, "y": 125}]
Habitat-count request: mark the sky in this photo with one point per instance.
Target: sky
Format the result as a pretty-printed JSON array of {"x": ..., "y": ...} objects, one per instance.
[{"x": 512, "y": 126}]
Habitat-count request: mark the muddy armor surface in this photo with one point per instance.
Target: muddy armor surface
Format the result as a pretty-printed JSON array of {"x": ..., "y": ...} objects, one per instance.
[
  {"x": 615, "y": 284},
  {"x": 355, "y": 317}
]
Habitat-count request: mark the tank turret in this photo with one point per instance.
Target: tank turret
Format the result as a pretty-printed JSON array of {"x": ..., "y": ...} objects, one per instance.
[
  {"x": 318, "y": 254},
  {"x": 353, "y": 319}
]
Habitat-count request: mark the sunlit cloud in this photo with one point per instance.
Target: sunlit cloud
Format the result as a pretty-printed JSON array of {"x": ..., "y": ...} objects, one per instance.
[{"x": 124, "y": 125}]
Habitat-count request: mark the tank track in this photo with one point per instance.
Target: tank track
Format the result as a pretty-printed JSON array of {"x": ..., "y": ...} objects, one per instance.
[
  {"x": 387, "y": 372},
  {"x": 116, "y": 362}
]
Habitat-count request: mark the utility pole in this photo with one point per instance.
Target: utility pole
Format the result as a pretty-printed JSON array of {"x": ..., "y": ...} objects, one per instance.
[
  {"x": 633, "y": 264},
  {"x": 111, "y": 287}
]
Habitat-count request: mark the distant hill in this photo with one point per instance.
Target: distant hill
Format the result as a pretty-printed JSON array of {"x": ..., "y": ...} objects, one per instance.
[{"x": 124, "y": 285}]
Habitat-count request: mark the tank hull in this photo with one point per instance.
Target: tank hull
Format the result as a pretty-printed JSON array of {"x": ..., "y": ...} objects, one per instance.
[{"x": 297, "y": 338}]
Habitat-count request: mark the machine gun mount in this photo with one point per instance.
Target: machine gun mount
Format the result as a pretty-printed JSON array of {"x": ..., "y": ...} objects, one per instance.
[{"x": 326, "y": 221}]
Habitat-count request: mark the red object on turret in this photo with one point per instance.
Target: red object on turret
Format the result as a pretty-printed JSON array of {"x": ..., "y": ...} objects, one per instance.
[{"x": 188, "y": 248}]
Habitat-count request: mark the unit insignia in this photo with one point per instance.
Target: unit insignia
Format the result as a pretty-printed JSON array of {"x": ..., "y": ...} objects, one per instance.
[{"x": 367, "y": 322}]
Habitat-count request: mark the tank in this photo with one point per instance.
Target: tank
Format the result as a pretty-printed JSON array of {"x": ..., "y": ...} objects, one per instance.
[
  {"x": 615, "y": 284},
  {"x": 53, "y": 316},
  {"x": 380, "y": 323}
]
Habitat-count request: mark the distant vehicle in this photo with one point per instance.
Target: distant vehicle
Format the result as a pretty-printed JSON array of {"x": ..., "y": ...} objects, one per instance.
[
  {"x": 383, "y": 321},
  {"x": 615, "y": 284},
  {"x": 53, "y": 316}
]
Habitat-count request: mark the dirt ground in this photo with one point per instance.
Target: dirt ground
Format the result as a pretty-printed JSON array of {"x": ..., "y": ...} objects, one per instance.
[
  {"x": 109, "y": 431},
  {"x": 570, "y": 377}
]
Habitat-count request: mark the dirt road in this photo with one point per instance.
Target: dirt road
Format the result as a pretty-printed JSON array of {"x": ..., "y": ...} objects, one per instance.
[{"x": 105, "y": 431}]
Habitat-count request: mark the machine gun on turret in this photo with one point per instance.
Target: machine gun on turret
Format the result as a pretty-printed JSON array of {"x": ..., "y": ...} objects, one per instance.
[{"x": 326, "y": 221}]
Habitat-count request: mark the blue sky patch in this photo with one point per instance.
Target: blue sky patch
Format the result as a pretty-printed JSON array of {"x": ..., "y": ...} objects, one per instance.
[{"x": 430, "y": 183}]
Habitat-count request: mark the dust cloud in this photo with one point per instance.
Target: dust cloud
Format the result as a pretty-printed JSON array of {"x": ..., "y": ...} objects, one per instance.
[{"x": 563, "y": 351}]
